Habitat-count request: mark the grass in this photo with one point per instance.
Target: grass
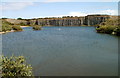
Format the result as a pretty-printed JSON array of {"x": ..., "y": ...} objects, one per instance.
[{"x": 111, "y": 26}]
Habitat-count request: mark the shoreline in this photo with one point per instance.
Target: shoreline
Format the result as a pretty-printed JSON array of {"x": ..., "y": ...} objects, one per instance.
[
  {"x": 24, "y": 26},
  {"x": 2, "y": 32},
  {"x": 6, "y": 32},
  {"x": 12, "y": 30}
]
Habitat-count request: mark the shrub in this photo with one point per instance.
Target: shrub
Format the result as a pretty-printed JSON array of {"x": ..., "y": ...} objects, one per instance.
[
  {"x": 17, "y": 28},
  {"x": 109, "y": 29},
  {"x": 19, "y": 18},
  {"x": 36, "y": 27},
  {"x": 15, "y": 66},
  {"x": 105, "y": 29},
  {"x": 6, "y": 28},
  {"x": 111, "y": 26}
]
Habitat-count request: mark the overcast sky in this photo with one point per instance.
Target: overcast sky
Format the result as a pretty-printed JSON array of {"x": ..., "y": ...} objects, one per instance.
[{"x": 56, "y": 9}]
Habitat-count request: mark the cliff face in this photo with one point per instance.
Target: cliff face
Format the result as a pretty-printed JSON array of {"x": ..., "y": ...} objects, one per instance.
[
  {"x": 89, "y": 20},
  {"x": 59, "y": 21},
  {"x": 95, "y": 19}
]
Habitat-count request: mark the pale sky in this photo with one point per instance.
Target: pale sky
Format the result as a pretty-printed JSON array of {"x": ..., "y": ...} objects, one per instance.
[
  {"x": 56, "y": 9},
  {"x": 60, "y": 0}
]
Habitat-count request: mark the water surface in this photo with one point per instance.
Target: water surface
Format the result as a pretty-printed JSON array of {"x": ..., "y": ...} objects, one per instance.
[{"x": 65, "y": 51}]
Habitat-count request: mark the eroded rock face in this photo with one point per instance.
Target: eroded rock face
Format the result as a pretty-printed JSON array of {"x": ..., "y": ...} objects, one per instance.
[
  {"x": 58, "y": 21},
  {"x": 89, "y": 20}
]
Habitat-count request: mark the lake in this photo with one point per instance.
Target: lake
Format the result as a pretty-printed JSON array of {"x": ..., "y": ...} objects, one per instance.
[{"x": 65, "y": 51}]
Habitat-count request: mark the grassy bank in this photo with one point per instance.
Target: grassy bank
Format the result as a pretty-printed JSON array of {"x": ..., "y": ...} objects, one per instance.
[
  {"x": 9, "y": 27},
  {"x": 111, "y": 26}
]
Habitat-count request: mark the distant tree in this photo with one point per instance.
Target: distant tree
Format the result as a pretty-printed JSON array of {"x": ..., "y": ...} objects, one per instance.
[
  {"x": 64, "y": 17},
  {"x": 19, "y": 18},
  {"x": 68, "y": 16},
  {"x": 4, "y": 18}
]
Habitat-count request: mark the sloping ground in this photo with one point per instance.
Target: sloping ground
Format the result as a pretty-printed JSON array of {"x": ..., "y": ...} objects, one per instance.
[
  {"x": 111, "y": 26},
  {"x": 8, "y": 27}
]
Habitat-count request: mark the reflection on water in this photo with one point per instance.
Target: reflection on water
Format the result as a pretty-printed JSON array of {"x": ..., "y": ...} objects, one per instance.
[{"x": 60, "y": 51}]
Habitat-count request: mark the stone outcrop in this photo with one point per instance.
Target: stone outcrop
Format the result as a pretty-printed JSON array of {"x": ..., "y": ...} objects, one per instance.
[{"x": 89, "y": 20}]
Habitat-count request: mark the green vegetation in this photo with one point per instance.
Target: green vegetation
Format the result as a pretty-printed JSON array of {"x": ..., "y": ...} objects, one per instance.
[
  {"x": 4, "y": 18},
  {"x": 15, "y": 66},
  {"x": 111, "y": 26},
  {"x": 19, "y": 18},
  {"x": 22, "y": 24},
  {"x": 106, "y": 29},
  {"x": 6, "y": 26},
  {"x": 17, "y": 28},
  {"x": 117, "y": 31},
  {"x": 36, "y": 27}
]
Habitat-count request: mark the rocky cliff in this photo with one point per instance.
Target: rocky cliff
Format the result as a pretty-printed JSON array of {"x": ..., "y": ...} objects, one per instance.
[
  {"x": 74, "y": 21},
  {"x": 89, "y": 20}
]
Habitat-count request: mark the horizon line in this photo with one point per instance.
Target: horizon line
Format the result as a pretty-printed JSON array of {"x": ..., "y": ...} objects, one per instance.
[{"x": 69, "y": 16}]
